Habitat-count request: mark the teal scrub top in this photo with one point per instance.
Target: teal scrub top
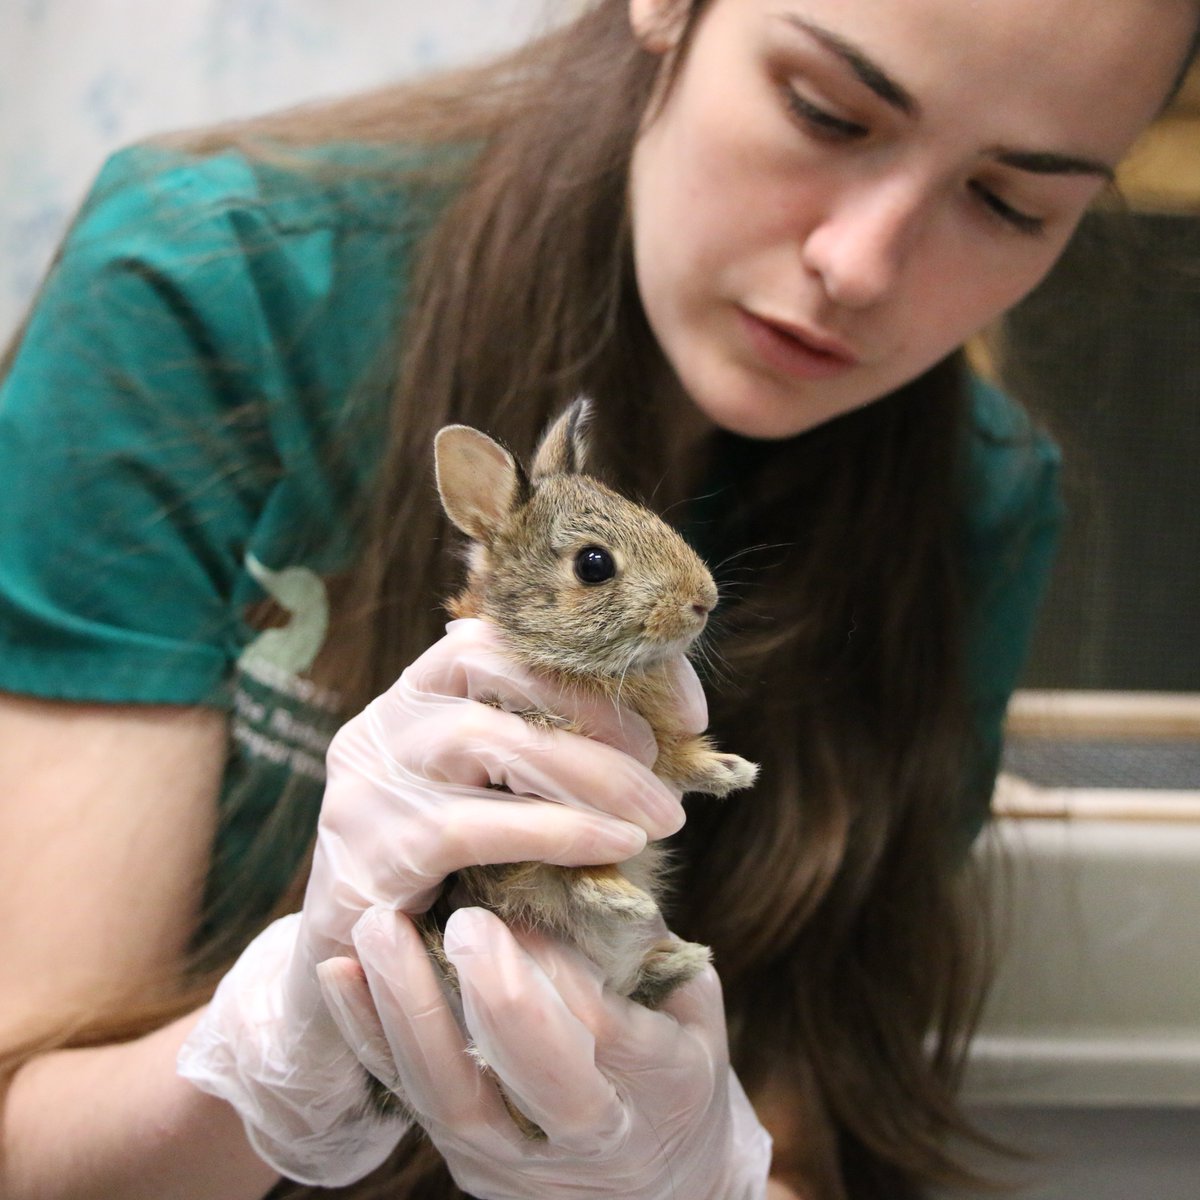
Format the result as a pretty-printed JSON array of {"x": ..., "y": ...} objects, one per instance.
[{"x": 199, "y": 393}]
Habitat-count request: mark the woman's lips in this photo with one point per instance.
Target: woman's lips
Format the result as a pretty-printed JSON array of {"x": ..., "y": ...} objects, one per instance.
[{"x": 795, "y": 351}]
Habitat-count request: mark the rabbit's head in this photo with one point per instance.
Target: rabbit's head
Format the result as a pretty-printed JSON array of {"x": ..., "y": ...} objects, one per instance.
[{"x": 578, "y": 579}]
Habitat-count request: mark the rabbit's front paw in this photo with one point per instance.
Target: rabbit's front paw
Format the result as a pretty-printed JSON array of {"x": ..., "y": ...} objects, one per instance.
[
  {"x": 739, "y": 772},
  {"x": 719, "y": 774}
]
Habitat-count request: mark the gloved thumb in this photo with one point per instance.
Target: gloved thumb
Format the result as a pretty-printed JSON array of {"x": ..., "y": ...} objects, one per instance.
[{"x": 348, "y": 997}]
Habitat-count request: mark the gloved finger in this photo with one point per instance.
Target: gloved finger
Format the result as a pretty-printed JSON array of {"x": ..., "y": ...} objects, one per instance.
[
  {"x": 542, "y": 1052},
  {"x": 678, "y": 1050},
  {"x": 471, "y": 662},
  {"x": 692, "y": 710},
  {"x": 437, "y": 1076},
  {"x": 348, "y": 996},
  {"x": 629, "y": 1036},
  {"x": 456, "y": 829},
  {"x": 479, "y": 746},
  {"x": 460, "y": 742},
  {"x": 575, "y": 977},
  {"x": 688, "y": 1025}
]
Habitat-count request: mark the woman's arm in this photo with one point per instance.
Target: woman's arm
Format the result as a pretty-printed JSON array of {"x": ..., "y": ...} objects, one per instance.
[
  {"x": 118, "y": 1121},
  {"x": 107, "y": 816}
]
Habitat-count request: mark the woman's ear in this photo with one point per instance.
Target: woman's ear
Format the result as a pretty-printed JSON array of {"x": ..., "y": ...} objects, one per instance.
[{"x": 659, "y": 24}]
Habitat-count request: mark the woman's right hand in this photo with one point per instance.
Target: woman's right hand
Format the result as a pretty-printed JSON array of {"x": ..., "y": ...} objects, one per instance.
[{"x": 412, "y": 796}]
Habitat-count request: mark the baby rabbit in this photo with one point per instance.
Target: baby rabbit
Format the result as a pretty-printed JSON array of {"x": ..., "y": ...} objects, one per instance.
[{"x": 594, "y": 590}]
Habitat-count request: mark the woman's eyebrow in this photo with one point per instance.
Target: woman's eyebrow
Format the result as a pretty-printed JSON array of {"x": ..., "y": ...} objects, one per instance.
[
  {"x": 1046, "y": 162},
  {"x": 868, "y": 72},
  {"x": 873, "y": 76}
]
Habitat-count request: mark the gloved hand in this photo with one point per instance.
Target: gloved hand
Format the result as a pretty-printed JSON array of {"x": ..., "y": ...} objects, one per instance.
[
  {"x": 406, "y": 803},
  {"x": 635, "y": 1104}
]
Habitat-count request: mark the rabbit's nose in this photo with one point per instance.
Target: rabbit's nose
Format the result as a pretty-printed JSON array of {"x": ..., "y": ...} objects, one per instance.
[{"x": 704, "y": 600}]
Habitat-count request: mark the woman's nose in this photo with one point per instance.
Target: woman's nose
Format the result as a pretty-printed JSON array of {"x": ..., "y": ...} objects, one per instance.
[{"x": 863, "y": 246}]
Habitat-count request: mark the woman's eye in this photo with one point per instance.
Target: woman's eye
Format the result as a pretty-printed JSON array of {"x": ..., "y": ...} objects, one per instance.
[
  {"x": 1022, "y": 221},
  {"x": 822, "y": 122}
]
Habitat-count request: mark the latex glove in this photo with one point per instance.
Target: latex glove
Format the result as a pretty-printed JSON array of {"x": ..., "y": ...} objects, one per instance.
[
  {"x": 406, "y": 803},
  {"x": 635, "y": 1104}
]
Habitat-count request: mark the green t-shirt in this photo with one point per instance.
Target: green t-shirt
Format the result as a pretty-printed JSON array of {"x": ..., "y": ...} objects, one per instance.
[{"x": 197, "y": 398}]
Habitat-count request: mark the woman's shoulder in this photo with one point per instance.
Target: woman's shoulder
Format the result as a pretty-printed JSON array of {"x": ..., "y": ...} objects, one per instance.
[
  {"x": 290, "y": 189},
  {"x": 283, "y": 229},
  {"x": 284, "y": 266}
]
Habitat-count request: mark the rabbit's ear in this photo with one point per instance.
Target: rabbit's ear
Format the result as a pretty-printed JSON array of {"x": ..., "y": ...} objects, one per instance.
[
  {"x": 478, "y": 480},
  {"x": 563, "y": 448}
]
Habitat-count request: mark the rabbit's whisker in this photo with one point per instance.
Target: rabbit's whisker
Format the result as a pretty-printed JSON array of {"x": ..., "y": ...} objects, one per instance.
[{"x": 747, "y": 550}]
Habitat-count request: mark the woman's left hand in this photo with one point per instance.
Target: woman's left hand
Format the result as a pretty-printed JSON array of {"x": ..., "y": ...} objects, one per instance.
[{"x": 635, "y": 1104}]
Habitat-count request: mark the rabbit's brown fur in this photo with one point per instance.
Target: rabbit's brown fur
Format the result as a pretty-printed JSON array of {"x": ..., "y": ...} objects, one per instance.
[{"x": 615, "y": 636}]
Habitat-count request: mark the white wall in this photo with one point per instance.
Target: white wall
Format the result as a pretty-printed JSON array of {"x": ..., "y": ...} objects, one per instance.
[{"x": 79, "y": 78}]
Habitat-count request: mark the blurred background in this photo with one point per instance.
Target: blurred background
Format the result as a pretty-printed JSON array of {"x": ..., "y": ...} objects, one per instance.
[
  {"x": 79, "y": 78},
  {"x": 1090, "y": 1055},
  {"x": 1089, "y": 1058},
  {"x": 1107, "y": 352}
]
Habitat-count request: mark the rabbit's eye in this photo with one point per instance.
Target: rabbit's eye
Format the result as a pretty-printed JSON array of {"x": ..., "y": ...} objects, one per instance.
[{"x": 594, "y": 564}]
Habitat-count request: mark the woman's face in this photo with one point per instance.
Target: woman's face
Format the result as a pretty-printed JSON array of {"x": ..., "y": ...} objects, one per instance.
[{"x": 834, "y": 194}]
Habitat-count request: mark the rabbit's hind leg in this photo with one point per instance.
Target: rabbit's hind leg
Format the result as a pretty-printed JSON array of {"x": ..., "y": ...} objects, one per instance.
[
  {"x": 604, "y": 889},
  {"x": 561, "y": 899},
  {"x": 667, "y": 966}
]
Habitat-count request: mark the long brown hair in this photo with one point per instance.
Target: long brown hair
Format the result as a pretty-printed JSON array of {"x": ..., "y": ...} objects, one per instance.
[{"x": 836, "y": 897}]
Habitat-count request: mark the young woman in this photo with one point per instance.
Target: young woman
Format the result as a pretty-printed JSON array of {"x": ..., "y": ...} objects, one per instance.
[{"x": 756, "y": 232}]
